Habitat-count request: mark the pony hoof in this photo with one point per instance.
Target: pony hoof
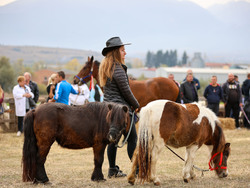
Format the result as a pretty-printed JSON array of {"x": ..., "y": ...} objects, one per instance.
[
  {"x": 131, "y": 180},
  {"x": 186, "y": 180},
  {"x": 157, "y": 183}
]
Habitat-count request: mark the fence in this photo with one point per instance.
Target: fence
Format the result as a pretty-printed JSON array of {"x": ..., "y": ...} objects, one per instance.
[{"x": 8, "y": 121}]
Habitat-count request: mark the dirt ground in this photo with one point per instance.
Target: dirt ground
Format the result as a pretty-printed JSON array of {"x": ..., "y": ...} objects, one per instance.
[{"x": 73, "y": 168}]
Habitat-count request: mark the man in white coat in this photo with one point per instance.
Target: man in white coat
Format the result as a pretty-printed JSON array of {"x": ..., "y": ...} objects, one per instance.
[{"x": 21, "y": 94}]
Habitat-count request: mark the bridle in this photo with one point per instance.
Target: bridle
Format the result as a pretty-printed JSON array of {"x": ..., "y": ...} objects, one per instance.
[
  {"x": 82, "y": 79},
  {"x": 220, "y": 163}
]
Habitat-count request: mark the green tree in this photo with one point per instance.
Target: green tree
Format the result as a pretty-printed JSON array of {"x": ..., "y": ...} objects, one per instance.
[
  {"x": 73, "y": 65},
  {"x": 184, "y": 58},
  {"x": 6, "y": 74},
  {"x": 149, "y": 60}
]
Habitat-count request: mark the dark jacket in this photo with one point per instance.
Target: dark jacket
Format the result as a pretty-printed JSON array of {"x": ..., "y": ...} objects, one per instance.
[
  {"x": 196, "y": 81},
  {"x": 226, "y": 92},
  {"x": 187, "y": 93},
  {"x": 213, "y": 94},
  {"x": 117, "y": 89},
  {"x": 246, "y": 89},
  {"x": 34, "y": 89}
]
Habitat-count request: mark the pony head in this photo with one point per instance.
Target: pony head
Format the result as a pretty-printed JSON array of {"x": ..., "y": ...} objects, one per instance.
[
  {"x": 219, "y": 161},
  {"x": 118, "y": 120},
  {"x": 84, "y": 75}
]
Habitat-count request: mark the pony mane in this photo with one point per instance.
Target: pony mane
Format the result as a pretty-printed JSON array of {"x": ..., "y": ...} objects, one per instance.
[{"x": 209, "y": 114}]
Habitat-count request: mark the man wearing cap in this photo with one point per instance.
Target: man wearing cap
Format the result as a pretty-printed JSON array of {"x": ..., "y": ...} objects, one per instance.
[{"x": 114, "y": 80}]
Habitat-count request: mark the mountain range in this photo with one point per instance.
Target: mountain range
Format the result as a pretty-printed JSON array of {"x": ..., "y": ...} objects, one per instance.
[{"x": 220, "y": 32}]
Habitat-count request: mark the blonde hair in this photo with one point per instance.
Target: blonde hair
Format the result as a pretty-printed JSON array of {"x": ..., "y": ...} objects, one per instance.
[
  {"x": 1, "y": 92},
  {"x": 106, "y": 69},
  {"x": 52, "y": 79},
  {"x": 20, "y": 78}
]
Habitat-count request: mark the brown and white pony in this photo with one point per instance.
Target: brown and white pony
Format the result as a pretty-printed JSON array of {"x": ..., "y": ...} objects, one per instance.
[{"x": 164, "y": 122}]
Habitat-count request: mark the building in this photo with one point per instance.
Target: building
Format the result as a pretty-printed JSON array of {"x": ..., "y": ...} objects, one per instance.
[
  {"x": 197, "y": 61},
  {"x": 202, "y": 73}
]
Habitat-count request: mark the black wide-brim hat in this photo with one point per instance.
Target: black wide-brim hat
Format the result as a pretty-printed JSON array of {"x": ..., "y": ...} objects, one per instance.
[{"x": 113, "y": 43}]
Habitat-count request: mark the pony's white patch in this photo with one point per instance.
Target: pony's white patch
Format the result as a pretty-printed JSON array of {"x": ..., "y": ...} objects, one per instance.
[
  {"x": 184, "y": 106},
  {"x": 209, "y": 114}
]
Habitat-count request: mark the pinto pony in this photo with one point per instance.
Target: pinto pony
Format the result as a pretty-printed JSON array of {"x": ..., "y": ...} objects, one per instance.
[
  {"x": 92, "y": 125},
  {"x": 164, "y": 122},
  {"x": 144, "y": 91}
]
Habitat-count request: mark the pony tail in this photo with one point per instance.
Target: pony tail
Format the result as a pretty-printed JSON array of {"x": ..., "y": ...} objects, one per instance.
[
  {"x": 144, "y": 146},
  {"x": 30, "y": 149}
]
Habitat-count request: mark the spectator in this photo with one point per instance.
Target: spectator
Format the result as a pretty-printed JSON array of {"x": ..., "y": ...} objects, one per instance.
[
  {"x": 51, "y": 87},
  {"x": 82, "y": 97},
  {"x": 21, "y": 93},
  {"x": 236, "y": 78},
  {"x": 33, "y": 86},
  {"x": 232, "y": 96},
  {"x": 96, "y": 94},
  {"x": 213, "y": 93},
  {"x": 195, "y": 80},
  {"x": 63, "y": 89},
  {"x": 114, "y": 80},
  {"x": 245, "y": 92},
  {"x": 1, "y": 100},
  {"x": 188, "y": 90},
  {"x": 171, "y": 77}
]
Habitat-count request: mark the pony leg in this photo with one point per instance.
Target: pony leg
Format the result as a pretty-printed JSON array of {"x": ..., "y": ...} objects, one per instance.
[
  {"x": 188, "y": 167},
  {"x": 131, "y": 176},
  {"x": 154, "y": 158},
  {"x": 41, "y": 176},
  {"x": 97, "y": 174}
]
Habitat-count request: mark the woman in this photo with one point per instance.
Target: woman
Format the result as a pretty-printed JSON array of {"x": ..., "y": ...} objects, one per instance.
[
  {"x": 1, "y": 100},
  {"x": 114, "y": 80},
  {"x": 51, "y": 86},
  {"x": 21, "y": 93}
]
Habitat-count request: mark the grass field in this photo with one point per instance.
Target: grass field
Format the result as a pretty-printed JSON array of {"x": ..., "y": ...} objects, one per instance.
[{"x": 73, "y": 168}]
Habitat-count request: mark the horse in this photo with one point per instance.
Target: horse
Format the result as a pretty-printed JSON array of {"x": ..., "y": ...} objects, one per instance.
[
  {"x": 144, "y": 91},
  {"x": 92, "y": 125},
  {"x": 166, "y": 123}
]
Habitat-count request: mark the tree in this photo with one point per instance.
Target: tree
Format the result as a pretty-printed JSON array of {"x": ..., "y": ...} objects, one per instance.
[
  {"x": 73, "y": 65},
  {"x": 6, "y": 74},
  {"x": 184, "y": 58},
  {"x": 136, "y": 63},
  {"x": 158, "y": 58},
  {"x": 149, "y": 59}
]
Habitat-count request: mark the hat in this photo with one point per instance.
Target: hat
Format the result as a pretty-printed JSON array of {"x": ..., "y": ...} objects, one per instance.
[{"x": 111, "y": 44}]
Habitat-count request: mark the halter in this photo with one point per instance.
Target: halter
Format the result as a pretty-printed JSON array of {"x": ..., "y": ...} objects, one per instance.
[
  {"x": 221, "y": 167},
  {"x": 82, "y": 79}
]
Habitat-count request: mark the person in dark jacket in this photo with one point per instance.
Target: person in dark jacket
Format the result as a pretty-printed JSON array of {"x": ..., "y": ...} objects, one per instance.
[
  {"x": 214, "y": 94},
  {"x": 32, "y": 85},
  {"x": 232, "y": 97},
  {"x": 245, "y": 91},
  {"x": 114, "y": 80},
  {"x": 188, "y": 90},
  {"x": 195, "y": 80}
]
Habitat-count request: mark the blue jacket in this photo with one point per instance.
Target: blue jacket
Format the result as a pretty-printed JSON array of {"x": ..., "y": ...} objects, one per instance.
[
  {"x": 245, "y": 89},
  {"x": 63, "y": 89},
  {"x": 213, "y": 94}
]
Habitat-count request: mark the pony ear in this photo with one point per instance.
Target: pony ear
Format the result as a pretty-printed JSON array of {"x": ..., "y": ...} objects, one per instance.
[
  {"x": 92, "y": 58},
  {"x": 88, "y": 58},
  {"x": 125, "y": 108},
  {"x": 109, "y": 106}
]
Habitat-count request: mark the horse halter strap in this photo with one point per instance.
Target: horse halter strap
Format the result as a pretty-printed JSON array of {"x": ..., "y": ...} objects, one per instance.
[
  {"x": 221, "y": 157},
  {"x": 82, "y": 79}
]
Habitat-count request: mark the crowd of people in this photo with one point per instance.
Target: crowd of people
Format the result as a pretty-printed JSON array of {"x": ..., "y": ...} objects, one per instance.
[{"x": 230, "y": 93}]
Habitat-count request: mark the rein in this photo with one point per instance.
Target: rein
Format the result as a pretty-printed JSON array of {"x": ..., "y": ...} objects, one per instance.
[
  {"x": 82, "y": 79},
  {"x": 130, "y": 128},
  {"x": 204, "y": 170}
]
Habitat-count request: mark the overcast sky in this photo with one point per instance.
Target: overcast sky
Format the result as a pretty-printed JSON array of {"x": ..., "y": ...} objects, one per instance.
[{"x": 203, "y": 3}]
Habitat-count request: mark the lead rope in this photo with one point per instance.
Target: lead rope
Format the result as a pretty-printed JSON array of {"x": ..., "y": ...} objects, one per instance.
[
  {"x": 130, "y": 128},
  {"x": 197, "y": 168}
]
